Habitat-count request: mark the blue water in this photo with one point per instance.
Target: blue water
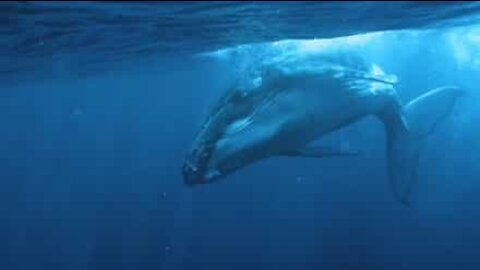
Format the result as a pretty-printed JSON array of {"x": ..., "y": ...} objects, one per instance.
[{"x": 100, "y": 101}]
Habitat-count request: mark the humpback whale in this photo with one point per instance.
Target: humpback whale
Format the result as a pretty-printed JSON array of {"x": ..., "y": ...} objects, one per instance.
[{"x": 302, "y": 98}]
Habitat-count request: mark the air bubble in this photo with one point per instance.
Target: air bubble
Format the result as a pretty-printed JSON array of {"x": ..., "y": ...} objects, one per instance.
[{"x": 77, "y": 112}]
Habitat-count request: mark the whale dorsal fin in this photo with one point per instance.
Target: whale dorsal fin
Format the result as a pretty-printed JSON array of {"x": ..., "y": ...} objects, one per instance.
[{"x": 316, "y": 151}]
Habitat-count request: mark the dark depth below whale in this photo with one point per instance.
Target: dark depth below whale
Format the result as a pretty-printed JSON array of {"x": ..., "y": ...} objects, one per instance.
[{"x": 301, "y": 98}]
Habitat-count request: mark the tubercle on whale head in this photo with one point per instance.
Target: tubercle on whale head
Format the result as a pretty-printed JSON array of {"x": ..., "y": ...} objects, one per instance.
[
  {"x": 195, "y": 168},
  {"x": 191, "y": 177}
]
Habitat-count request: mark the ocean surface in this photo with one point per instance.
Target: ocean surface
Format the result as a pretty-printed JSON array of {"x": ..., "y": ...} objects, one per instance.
[{"x": 100, "y": 102}]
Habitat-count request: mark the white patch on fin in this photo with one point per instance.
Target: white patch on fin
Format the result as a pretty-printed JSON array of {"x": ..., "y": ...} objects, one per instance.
[{"x": 238, "y": 125}]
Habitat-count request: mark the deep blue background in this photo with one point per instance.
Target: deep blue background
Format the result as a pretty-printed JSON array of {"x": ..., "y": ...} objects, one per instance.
[{"x": 90, "y": 179}]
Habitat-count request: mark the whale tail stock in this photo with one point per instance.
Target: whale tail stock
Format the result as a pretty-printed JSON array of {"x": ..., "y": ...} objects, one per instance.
[{"x": 407, "y": 128}]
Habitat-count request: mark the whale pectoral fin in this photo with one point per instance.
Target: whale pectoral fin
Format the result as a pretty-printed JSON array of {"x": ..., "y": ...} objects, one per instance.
[{"x": 320, "y": 152}]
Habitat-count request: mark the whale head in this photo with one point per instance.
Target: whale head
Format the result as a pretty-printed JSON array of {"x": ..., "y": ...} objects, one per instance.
[{"x": 228, "y": 140}]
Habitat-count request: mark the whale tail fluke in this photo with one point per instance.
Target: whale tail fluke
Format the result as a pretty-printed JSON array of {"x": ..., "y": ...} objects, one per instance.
[{"x": 407, "y": 128}]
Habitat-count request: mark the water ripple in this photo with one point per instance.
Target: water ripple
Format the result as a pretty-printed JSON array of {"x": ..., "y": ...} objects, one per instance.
[{"x": 33, "y": 33}]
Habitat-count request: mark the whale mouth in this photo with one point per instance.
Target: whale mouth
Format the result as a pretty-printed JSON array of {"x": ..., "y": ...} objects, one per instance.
[{"x": 192, "y": 176}]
